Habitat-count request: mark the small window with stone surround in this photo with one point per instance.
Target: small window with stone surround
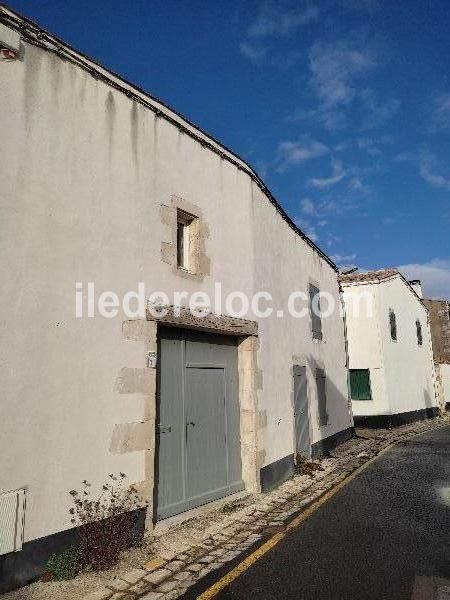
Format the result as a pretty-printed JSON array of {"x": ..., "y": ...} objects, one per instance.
[
  {"x": 184, "y": 224},
  {"x": 185, "y": 236}
]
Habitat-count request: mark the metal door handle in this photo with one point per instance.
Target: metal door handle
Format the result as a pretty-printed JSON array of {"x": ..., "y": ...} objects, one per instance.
[
  {"x": 186, "y": 428},
  {"x": 163, "y": 429}
]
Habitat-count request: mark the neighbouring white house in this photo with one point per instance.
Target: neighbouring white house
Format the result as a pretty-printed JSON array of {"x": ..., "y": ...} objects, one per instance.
[
  {"x": 103, "y": 188},
  {"x": 439, "y": 311},
  {"x": 391, "y": 370}
]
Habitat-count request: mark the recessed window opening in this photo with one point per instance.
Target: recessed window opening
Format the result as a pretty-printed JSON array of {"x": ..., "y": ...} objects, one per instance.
[
  {"x": 419, "y": 332},
  {"x": 183, "y": 239},
  {"x": 393, "y": 325},
  {"x": 314, "y": 309}
]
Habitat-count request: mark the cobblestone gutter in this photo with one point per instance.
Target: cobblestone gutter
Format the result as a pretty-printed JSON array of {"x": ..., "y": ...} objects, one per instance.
[{"x": 169, "y": 578}]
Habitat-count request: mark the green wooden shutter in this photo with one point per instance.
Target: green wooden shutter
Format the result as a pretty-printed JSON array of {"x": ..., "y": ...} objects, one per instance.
[{"x": 360, "y": 384}]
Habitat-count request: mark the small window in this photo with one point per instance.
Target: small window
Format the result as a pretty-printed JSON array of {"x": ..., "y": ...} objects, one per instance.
[
  {"x": 183, "y": 239},
  {"x": 419, "y": 332},
  {"x": 314, "y": 310},
  {"x": 322, "y": 397},
  {"x": 393, "y": 325},
  {"x": 360, "y": 384}
]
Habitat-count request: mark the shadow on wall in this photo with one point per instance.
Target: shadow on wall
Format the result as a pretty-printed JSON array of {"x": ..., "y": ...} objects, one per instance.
[
  {"x": 336, "y": 413},
  {"x": 328, "y": 411}
]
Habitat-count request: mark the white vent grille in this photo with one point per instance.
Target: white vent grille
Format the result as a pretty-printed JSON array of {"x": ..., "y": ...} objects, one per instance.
[{"x": 12, "y": 508}]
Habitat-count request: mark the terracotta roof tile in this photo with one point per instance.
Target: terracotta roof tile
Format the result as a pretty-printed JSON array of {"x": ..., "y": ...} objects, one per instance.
[{"x": 369, "y": 276}]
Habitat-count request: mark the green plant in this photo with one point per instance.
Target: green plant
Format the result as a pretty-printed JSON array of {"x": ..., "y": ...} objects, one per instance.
[
  {"x": 64, "y": 564},
  {"x": 303, "y": 466},
  {"x": 106, "y": 522},
  {"x": 231, "y": 507}
]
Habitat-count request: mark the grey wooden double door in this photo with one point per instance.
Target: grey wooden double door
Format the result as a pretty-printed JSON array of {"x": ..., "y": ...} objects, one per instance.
[{"x": 198, "y": 435}]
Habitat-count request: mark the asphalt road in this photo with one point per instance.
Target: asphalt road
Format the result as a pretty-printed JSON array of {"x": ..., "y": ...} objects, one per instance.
[{"x": 375, "y": 539}]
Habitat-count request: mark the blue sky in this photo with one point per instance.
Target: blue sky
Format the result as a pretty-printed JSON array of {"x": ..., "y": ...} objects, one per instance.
[{"x": 342, "y": 106}]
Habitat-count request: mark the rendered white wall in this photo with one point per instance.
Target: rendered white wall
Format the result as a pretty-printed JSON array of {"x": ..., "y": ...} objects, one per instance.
[
  {"x": 409, "y": 367},
  {"x": 283, "y": 263},
  {"x": 85, "y": 172},
  {"x": 364, "y": 345},
  {"x": 402, "y": 372}
]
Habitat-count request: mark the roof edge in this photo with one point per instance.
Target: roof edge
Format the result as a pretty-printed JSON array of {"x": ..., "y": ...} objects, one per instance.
[
  {"x": 393, "y": 273},
  {"x": 36, "y": 35}
]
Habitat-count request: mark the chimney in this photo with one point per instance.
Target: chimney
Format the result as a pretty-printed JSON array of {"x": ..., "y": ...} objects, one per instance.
[{"x": 417, "y": 287}]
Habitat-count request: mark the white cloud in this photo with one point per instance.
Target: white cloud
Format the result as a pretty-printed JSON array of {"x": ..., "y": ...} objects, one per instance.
[
  {"x": 378, "y": 111},
  {"x": 337, "y": 69},
  {"x": 334, "y": 67},
  {"x": 271, "y": 21},
  {"x": 294, "y": 153},
  {"x": 434, "y": 275},
  {"x": 332, "y": 239},
  {"x": 344, "y": 261},
  {"x": 337, "y": 175},
  {"x": 427, "y": 170},
  {"x": 307, "y": 228},
  {"x": 307, "y": 206},
  {"x": 332, "y": 120},
  {"x": 362, "y": 5},
  {"x": 252, "y": 52},
  {"x": 330, "y": 206},
  {"x": 441, "y": 112},
  {"x": 356, "y": 185},
  {"x": 369, "y": 145}
]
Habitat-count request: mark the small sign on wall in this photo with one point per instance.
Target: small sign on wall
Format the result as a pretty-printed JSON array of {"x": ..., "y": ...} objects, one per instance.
[{"x": 151, "y": 360}]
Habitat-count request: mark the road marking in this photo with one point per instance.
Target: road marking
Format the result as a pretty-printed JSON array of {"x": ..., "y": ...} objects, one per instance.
[{"x": 243, "y": 566}]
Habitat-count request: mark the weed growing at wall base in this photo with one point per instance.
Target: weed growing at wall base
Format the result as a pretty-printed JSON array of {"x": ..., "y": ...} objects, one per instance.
[
  {"x": 63, "y": 565},
  {"x": 106, "y": 521}
]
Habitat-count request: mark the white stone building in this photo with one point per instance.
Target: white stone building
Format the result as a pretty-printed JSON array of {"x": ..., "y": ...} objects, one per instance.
[
  {"x": 391, "y": 371},
  {"x": 102, "y": 184}
]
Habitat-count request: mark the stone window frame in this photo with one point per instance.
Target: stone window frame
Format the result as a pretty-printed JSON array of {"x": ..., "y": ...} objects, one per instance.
[{"x": 199, "y": 263}]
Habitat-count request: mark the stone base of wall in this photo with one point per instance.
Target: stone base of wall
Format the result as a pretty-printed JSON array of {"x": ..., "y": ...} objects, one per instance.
[
  {"x": 324, "y": 446},
  {"x": 273, "y": 475},
  {"x": 21, "y": 568},
  {"x": 281, "y": 470},
  {"x": 388, "y": 421}
]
